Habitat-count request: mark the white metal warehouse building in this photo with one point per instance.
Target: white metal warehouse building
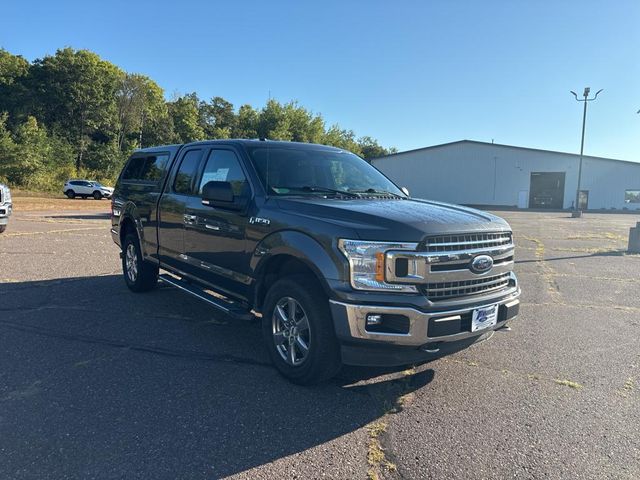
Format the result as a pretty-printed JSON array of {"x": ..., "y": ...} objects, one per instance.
[{"x": 478, "y": 173}]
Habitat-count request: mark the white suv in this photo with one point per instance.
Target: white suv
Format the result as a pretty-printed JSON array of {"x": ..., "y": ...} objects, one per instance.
[
  {"x": 5, "y": 206},
  {"x": 86, "y": 188}
]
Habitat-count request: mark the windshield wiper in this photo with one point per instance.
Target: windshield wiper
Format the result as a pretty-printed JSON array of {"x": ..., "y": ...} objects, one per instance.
[
  {"x": 378, "y": 192},
  {"x": 318, "y": 189}
]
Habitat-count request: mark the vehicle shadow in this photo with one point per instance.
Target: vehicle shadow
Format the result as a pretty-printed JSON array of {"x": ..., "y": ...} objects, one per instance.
[
  {"x": 82, "y": 216},
  {"x": 96, "y": 380}
]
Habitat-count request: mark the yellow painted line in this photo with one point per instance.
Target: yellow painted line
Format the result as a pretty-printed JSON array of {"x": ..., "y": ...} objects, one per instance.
[{"x": 66, "y": 230}]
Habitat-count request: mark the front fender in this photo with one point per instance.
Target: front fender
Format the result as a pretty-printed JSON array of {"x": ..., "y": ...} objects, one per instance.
[{"x": 324, "y": 260}]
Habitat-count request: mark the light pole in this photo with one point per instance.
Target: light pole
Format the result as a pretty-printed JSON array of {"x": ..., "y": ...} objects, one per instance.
[{"x": 577, "y": 212}]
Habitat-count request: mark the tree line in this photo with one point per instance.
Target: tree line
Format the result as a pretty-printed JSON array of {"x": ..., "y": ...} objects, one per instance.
[{"x": 74, "y": 114}]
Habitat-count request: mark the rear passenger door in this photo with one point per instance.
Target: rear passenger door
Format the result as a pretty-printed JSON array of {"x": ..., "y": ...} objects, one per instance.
[{"x": 179, "y": 190}]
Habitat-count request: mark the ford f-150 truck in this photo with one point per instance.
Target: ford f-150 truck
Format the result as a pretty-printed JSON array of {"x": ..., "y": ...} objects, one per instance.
[
  {"x": 341, "y": 265},
  {"x": 5, "y": 206}
]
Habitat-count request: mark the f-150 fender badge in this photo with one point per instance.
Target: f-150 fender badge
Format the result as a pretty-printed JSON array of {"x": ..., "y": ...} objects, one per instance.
[{"x": 259, "y": 221}]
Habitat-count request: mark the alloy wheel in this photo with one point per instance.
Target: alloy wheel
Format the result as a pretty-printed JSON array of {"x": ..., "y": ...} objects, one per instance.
[
  {"x": 131, "y": 262},
  {"x": 291, "y": 332}
]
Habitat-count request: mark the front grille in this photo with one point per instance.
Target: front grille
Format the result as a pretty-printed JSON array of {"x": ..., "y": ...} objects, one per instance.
[
  {"x": 440, "y": 290},
  {"x": 469, "y": 241}
]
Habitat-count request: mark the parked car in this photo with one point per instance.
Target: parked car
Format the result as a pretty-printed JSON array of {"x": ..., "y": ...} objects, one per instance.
[
  {"x": 5, "y": 206},
  {"x": 343, "y": 266},
  {"x": 85, "y": 189}
]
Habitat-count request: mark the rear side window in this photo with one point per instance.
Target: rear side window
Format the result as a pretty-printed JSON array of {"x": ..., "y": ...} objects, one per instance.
[
  {"x": 183, "y": 183},
  {"x": 146, "y": 169}
]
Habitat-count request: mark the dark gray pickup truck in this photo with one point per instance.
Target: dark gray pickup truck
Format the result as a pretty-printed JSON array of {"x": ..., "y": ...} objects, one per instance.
[{"x": 342, "y": 266}]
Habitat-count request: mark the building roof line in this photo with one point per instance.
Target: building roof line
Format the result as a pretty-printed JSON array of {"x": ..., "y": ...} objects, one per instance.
[{"x": 504, "y": 146}]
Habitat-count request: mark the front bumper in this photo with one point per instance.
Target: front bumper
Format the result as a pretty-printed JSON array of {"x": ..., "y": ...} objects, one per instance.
[
  {"x": 5, "y": 213},
  {"x": 413, "y": 335}
]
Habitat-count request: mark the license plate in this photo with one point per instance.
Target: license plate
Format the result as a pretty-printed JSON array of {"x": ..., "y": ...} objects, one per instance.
[{"x": 484, "y": 317}]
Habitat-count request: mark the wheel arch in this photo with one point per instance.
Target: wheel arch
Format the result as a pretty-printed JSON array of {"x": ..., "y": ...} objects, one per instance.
[
  {"x": 287, "y": 253},
  {"x": 130, "y": 222}
]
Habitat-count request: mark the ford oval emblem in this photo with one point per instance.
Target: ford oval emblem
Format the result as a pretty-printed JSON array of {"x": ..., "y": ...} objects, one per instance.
[{"x": 481, "y": 264}]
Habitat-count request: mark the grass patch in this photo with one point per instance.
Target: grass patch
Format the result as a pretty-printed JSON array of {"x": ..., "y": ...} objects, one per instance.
[
  {"x": 568, "y": 383},
  {"x": 375, "y": 454}
]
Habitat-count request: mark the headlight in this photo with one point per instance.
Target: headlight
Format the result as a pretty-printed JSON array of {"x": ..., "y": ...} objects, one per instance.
[{"x": 366, "y": 262}]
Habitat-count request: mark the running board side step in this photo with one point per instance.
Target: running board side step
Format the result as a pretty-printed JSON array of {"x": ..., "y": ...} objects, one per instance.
[{"x": 228, "y": 307}]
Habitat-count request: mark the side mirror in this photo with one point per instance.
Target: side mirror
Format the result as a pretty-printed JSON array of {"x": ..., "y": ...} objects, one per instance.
[
  {"x": 405, "y": 190},
  {"x": 217, "y": 192}
]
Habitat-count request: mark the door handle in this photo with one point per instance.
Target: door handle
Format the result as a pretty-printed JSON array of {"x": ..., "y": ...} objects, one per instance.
[
  {"x": 190, "y": 218},
  {"x": 211, "y": 227}
]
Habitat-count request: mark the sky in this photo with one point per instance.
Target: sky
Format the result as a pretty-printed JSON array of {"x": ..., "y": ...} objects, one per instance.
[{"x": 408, "y": 73}]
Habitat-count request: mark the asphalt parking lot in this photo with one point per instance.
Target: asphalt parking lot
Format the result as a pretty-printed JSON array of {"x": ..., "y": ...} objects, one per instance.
[{"x": 96, "y": 382}]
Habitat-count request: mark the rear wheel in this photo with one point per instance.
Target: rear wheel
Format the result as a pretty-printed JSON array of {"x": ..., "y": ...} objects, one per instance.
[
  {"x": 97, "y": 195},
  {"x": 70, "y": 194},
  {"x": 298, "y": 331},
  {"x": 139, "y": 275},
  {"x": 2, "y": 228}
]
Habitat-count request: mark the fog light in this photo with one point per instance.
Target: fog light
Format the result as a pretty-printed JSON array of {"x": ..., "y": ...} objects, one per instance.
[{"x": 374, "y": 319}]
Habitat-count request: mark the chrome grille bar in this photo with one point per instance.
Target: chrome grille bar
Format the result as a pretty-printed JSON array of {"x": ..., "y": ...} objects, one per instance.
[
  {"x": 444, "y": 243},
  {"x": 441, "y": 267},
  {"x": 469, "y": 287}
]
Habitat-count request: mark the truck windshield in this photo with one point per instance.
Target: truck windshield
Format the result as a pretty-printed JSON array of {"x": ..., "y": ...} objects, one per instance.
[{"x": 308, "y": 171}]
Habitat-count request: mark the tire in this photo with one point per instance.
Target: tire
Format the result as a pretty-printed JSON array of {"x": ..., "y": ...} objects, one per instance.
[
  {"x": 140, "y": 276},
  {"x": 2, "y": 228},
  {"x": 321, "y": 361},
  {"x": 97, "y": 195},
  {"x": 70, "y": 194}
]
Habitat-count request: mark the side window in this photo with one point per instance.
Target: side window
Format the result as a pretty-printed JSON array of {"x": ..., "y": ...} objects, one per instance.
[
  {"x": 133, "y": 168},
  {"x": 154, "y": 167},
  {"x": 224, "y": 166},
  {"x": 188, "y": 166},
  {"x": 146, "y": 169}
]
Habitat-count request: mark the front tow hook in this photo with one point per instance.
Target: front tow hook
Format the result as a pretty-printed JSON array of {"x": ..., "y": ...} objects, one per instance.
[{"x": 431, "y": 347}]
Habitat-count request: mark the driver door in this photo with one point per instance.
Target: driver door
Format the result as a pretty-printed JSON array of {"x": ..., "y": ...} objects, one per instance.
[{"x": 215, "y": 239}]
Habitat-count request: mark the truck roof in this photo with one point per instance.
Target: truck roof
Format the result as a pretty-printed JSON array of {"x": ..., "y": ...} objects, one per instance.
[{"x": 245, "y": 142}]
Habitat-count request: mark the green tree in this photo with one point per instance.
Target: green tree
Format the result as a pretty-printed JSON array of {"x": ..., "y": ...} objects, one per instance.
[
  {"x": 341, "y": 138},
  {"x": 73, "y": 92},
  {"x": 303, "y": 125},
  {"x": 13, "y": 72},
  {"x": 7, "y": 149},
  {"x": 247, "y": 123},
  {"x": 185, "y": 115},
  {"x": 142, "y": 113},
  {"x": 274, "y": 122},
  {"x": 217, "y": 118},
  {"x": 370, "y": 148}
]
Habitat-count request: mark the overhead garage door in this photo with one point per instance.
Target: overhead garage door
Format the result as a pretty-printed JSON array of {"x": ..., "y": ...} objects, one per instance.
[{"x": 547, "y": 190}]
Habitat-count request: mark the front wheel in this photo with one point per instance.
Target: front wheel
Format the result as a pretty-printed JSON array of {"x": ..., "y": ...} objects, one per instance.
[
  {"x": 298, "y": 331},
  {"x": 97, "y": 195},
  {"x": 2, "y": 228},
  {"x": 139, "y": 275}
]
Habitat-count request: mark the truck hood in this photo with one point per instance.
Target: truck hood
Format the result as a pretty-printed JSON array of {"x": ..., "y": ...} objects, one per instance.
[{"x": 408, "y": 220}]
